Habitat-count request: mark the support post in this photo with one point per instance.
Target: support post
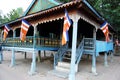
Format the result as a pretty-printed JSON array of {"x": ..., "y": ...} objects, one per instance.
[
  {"x": 1, "y": 55},
  {"x": 13, "y": 51},
  {"x": 111, "y": 56},
  {"x": 105, "y": 60},
  {"x": 94, "y": 54},
  {"x": 33, "y": 64},
  {"x": 39, "y": 56},
  {"x": 13, "y": 58},
  {"x": 44, "y": 53},
  {"x": 74, "y": 41},
  {"x": 25, "y": 55}
]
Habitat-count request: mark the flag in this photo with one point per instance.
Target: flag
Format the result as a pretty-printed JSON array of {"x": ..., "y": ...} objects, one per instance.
[
  {"x": 6, "y": 30},
  {"x": 104, "y": 28},
  {"x": 24, "y": 29},
  {"x": 66, "y": 26}
]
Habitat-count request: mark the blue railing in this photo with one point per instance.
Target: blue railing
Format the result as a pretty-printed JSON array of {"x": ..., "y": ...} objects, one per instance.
[
  {"x": 79, "y": 51},
  {"x": 40, "y": 42},
  {"x": 103, "y": 46},
  {"x": 60, "y": 54}
]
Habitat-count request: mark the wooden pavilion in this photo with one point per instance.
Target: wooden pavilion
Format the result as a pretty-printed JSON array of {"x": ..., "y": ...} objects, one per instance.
[{"x": 45, "y": 33}]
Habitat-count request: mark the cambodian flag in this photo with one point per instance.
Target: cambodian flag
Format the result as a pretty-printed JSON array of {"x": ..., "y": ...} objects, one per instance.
[
  {"x": 104, "y": 28},
  {"x": 66, "y": 26},
  {"x": 6, "y": 30},
  {"x": 24, "y": 29}
]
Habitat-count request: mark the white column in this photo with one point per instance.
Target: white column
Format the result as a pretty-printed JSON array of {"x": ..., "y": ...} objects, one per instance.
[{"x": 74, "y": 41}]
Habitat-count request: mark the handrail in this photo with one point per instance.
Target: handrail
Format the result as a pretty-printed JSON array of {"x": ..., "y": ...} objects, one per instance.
[
  {"x": 40, "y": 41},
  {"x": 89, "y": 42},
  {"x": 79, "y": 51},
  {"x": 86, "y": 43},
  {"x": 60, "y": 53}
]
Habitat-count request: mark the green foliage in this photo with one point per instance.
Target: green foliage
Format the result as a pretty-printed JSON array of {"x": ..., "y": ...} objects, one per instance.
[
  {"x": 110, "y": 10},
  {"x": 12, "y": 15}
]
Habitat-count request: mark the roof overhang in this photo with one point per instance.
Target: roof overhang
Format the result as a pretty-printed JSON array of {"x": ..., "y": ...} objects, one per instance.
[{"x": 57, "y": 12}]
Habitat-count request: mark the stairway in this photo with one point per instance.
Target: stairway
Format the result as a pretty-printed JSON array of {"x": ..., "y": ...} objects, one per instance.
[
  {"x": 62, "y": 69},
  {"x": 89, "y": 46},
  {"x": 62, "y": 60}
]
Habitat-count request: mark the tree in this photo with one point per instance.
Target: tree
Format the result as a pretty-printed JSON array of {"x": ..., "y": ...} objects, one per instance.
[
  {"x": 109, "y": 9},
  {"x": 1, "y": 17},
  {"x": 12, "y": 15}
]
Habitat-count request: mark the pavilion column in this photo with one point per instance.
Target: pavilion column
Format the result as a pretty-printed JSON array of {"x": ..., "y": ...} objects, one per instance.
[
  {"x": 1, "y": 53},
  {"x": 105, "y": 60},
  {"x": 33, "y": 64},
  {"x": 39, "y": 56},
  {"x": 94, "y": 54},
  {"x": 74, "y": 41},
  {"x": 13, "y": 51}
]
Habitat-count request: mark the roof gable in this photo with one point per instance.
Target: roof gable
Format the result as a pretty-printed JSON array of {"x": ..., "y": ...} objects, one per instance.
[{"x": 38, "y": 5}]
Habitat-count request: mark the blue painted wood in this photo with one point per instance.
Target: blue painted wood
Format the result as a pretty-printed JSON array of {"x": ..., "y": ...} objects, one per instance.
[
  {"x": 94, "y": 53},
  {"x": 1, "y": 57},
  {"x": 13, "y": 58},
  {"x": 41, "y": 43},
  {"x": 103, "y": 46},
  {"x": 89, "y": 47},
  {"x": 105, "y": 60},
  {"x": 79, "y": 52},
  {"x": 73, "y": 56},
  {"x": 33, "y": 64},
  {"x": 94, "y": 64},
  {"x": 13, "y": 52}
]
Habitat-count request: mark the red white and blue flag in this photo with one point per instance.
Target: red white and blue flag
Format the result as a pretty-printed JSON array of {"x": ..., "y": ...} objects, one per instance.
[
  {"x": 66, "y": 26},
  {"x": 104, "y": 28},
  {"x": 6, "y": 30},
  {"x": 24, "y": 29}
]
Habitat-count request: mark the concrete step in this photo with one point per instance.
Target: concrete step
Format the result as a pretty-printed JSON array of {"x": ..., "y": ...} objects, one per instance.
[
  {"x": 64, "y": 64},
  {"x": 65, "y": 67},
  {"x": 59, "y": 73},
  {"x": 68, "y": 58},
  {"x": 62, "y": 69}
]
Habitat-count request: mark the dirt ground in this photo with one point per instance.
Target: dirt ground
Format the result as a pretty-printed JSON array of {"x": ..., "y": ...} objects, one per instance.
[{"x": 20, "y": 71}]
